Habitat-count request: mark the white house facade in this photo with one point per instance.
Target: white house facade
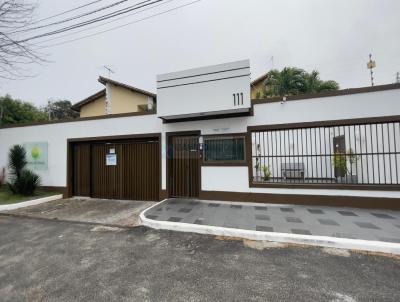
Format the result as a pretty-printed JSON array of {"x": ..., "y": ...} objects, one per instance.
[{"x": 209, "y": 140}]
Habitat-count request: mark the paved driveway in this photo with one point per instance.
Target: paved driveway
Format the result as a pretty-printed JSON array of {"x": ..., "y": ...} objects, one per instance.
[
  {"x": 113, "y": 212},
  {"x": 45, "y": 260},
  {"x": 339, "y": 222}
]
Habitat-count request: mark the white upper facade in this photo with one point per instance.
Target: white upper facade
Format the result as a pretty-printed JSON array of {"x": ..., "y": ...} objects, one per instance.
[{"x": 207, "y": 91}]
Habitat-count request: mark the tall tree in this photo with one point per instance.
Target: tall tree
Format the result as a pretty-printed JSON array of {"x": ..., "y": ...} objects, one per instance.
[
  {"x": 16, "y": 111},
  {"x": 295, "y": 81},
  {"x": 60, "y": 110},
  {"x": 14, "y": 54}
]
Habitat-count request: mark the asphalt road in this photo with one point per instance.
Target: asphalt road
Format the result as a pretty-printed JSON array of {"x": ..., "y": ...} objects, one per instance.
[{"x": 44, "y": 260}]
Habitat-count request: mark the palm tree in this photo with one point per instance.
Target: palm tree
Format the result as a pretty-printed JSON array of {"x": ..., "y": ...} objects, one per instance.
[
  {"x": 289, "y": 81},
  {"x": 295, "y": 81},
  {"x": 313, "y": 84}
]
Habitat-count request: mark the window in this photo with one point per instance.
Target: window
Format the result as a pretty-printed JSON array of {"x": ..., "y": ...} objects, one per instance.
[{"x": 224, "y": 149}]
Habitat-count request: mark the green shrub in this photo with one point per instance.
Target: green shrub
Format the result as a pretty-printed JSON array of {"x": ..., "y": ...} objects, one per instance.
[
  {"x": 22, "y": 181},
  {"x": 28, "y": 182}
]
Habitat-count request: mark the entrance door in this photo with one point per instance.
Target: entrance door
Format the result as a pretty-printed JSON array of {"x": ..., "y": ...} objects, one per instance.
[{"x": 184, "y": 166}]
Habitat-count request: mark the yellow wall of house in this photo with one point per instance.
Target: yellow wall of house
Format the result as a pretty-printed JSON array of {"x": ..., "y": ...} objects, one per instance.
[
  {"x": 255, "y": 88},
  {"x": 124, "y": 100},
  {"x": 95, "y": 108}
]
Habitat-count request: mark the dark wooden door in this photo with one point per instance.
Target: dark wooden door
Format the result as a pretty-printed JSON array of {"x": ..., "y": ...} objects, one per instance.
[
  {"x": 184, "y": 166},
  {"x": 136, "y": 175},
  {"x": 339, "y": 149},
  {"x": 81, "y": 175}
]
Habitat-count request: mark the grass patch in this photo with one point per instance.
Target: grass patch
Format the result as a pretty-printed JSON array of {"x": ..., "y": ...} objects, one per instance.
[{"x": 6, "y": 197}]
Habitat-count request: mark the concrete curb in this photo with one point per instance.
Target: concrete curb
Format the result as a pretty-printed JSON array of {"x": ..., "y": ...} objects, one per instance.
[
  {"x": 14, "y": 206},
  {"x": 324, "y": 241}
]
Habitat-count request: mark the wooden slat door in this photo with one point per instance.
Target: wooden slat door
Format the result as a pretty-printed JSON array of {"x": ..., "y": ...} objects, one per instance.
[
  {"x": 185, "y": 168},
  {"x": 81, "y": 175},
  {"x": 103, "y": 176},
  {"x": 136, "y": 175},
  {"x": 139, "y": 172}
]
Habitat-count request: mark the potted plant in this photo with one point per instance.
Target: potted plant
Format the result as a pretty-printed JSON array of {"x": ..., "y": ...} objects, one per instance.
[
  {"x": 266, "y": 173},
  {"x": 341, "y": 162}
]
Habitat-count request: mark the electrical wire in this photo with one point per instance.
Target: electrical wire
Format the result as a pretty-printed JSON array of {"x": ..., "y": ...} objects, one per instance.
[
  {"x": 104, "y": 17},
  {"x": 67, "y": 11},
  {"x": 105, "y": 23},
  {"x": 120, "y": 26},
  {"x": 74, "y": 17}
]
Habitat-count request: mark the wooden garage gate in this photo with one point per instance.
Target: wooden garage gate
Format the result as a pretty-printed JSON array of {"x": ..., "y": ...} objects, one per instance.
[{"x": 131, "y": 172}]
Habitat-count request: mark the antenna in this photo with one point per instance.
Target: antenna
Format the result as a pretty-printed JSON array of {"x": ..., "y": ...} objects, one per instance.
[
  {"x": 371, "y": 65},
  {"x": 110, "y": 71},
  {"x": 272, "y": 62}
]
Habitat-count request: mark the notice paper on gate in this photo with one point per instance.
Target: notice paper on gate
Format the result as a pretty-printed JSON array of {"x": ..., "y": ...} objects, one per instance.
[{"x": 111, "y": 159}]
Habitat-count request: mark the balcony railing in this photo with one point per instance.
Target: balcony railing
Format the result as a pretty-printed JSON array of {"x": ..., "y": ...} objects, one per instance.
[{"x": 361, "y": 154}]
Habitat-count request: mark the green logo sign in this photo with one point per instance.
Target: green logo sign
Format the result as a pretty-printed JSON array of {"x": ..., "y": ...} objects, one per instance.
[{"x": 36, "y": 155}]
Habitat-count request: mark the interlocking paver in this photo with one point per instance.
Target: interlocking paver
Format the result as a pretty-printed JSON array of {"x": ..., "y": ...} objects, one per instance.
[{"x": 337, "y": 222}]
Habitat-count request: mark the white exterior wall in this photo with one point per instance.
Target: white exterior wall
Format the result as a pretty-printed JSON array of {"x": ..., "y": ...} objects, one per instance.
[
  {"x": 204, "y": 90},
  {"x": 235, "y": 179}
]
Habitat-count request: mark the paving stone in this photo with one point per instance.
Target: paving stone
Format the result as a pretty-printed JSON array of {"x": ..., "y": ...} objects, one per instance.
[
  {"x": 184, "y": 210},
  {"x": 293, "y": 219},
  {"x": 260, "y": 208},
  {"x": 174, "y": 219},
  {"x": 382, "y": 215},
  {"x": 322, "y": 221},
  {"x": 287, "y": 210},
  {"x": 327, "y": 222},
  {"x": 262, "y": 217},
  {"x": 387, "y": 239},
  {"x": 343, "y": 235},
  {"x": 263, "y": 228},
  {"x": 301, "y": 231},
  {"x": 367, "y": 225},
  {"x": 347, "y": 213},
  {"x": 315, "y": 211}
]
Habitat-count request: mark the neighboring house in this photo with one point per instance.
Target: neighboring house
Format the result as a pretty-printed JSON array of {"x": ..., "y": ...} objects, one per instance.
[
  {"x": 258, "y": 87},
  {"x": 116, "y": 98}
]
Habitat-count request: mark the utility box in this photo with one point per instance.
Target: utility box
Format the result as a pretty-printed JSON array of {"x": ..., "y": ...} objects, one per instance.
[{"x": 206, "y": 92}]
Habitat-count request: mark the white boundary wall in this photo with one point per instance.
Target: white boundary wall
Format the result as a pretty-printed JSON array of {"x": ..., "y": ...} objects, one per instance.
[{"x": 235, "y": 179}]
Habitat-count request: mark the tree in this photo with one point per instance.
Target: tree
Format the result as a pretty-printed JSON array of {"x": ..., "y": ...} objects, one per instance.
[
  {"x": 60, "y": 110},
  {"x": 15, "y": 55},
  {"x": 16, "y": 111},
  {"x": 22, "y": 180},
  {"x": 313, "y": 84},
  {"x": 296, "y": 81}
]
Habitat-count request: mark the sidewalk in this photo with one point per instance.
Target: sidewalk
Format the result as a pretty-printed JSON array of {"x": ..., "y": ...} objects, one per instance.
[{"x": 369, "y": 229}]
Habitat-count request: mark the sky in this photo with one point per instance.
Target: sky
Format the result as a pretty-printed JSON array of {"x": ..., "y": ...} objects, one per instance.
[{"x": 334, "y": 37}]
